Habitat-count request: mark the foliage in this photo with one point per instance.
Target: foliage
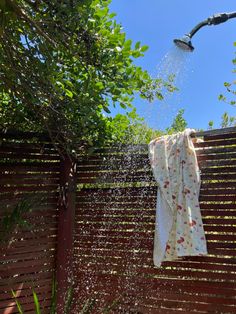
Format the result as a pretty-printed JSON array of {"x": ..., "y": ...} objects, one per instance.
[
  {"x": 91, "y": 303},
  {"x": 230, "y": 87},
  {"x": 69, "y": 297},
  {"x": 16, "y": 217},
  {"x": 210, "y": 125},
  {"x": 53, "y": 296},
  {"x": 226, "y": 121},
  {"x": 36, "y": 303},
  {"x": 131, "y": 129},
  {"x": 87, "y": 307},
  {"x": 179, "y": 124},
  {"x": 63, "y": 64},
  {"x": 19, "y": 306}
]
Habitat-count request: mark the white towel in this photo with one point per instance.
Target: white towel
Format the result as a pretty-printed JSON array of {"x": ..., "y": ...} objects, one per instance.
[{"x": 179, "y": 229}]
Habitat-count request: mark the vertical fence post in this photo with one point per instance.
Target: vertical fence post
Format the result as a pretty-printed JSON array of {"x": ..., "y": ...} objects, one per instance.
[{"x": 64, "y": 270}]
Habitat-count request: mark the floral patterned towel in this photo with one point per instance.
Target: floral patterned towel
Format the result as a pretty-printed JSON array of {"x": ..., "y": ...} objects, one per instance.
[{"x": 179, "y": 229}]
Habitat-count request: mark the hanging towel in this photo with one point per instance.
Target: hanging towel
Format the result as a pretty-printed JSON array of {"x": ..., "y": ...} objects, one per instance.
[{"x": 179, "y": 229}]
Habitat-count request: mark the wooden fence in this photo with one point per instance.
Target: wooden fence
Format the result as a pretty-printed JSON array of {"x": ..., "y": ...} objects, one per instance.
[
  {"x": 111, "y": 236},
  {"x": 114, "y": 230},
  {"x": 29, "y": 171}
]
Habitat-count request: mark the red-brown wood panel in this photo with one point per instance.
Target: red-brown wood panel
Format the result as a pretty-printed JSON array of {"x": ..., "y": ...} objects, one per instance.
[{"x": 29, "y": 171}]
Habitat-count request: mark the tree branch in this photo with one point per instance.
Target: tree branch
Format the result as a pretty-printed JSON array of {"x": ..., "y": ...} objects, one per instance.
[{"x": 21, "y": 14}]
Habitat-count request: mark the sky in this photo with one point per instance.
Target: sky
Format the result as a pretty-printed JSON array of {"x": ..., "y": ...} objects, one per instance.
[{"x": 201, "y": 80}]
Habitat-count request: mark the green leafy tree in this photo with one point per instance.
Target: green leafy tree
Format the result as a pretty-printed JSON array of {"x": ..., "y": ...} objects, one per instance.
[
  {"x": 230, "y": 87},
  {"x": 132, "y": 129},
  {"x": 227, "y": 121},
  {"x": 179, "y": 123},
  {"x": 63, "y": 64}
]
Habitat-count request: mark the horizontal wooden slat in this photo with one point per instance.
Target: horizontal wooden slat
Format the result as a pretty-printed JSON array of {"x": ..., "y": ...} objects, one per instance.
[
  {"x": 28, "y": 149},
  {"x": 106, "y": 266},
  {"x": 221, "y": 136},
  {"x": 29, "y": 277},
  {"x": 212, "y": 143},
  {"x": 112, "y": 220},
  {"x": 14, "y": 156},
  {"x": 140, "y": 227},
  {"x": 134, "y": 245},
  {"x": 30, "y": 307},
  {"x": 214, "y": 150},
  {"x": 27, "y": 176},
  {"x": 30, "y": 188},
  {"x": 229, "y": 288},
  {"x": 29, "y": 167}
]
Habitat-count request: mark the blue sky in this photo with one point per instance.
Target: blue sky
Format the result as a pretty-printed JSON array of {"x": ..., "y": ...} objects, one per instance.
[{"x": 156, "y": 23}]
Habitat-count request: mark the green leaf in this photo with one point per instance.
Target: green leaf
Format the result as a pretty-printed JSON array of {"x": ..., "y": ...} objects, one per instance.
[
  {"x": 137, "y": 45},
  {"x": 144, "y": 48},
  {"x": 53, "y": 296},
  {"x": 127, "y": 44},
  {"x": 68, "y": 300},
  {"x": 19, "y": 308},
  {"x": 36, "y": 303},
  {"x": 106, "y": 110},
  {"x": 100, "y": 85},
  {"x": 88, "y": 306},
  {"x": 136, "y": 54},
  {"x": 69, "y": 93},
  {"x": 226, "y": 84},
  {"x": 221, "y": 97},
  {"x": 111, "y": 15}
]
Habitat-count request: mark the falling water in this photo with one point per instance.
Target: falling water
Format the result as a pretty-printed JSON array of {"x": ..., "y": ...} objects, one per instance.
[
  {"x": 117, "y": 213},
  {"x": 174, "y": 69},
  {"x": 174, "y": 63}
]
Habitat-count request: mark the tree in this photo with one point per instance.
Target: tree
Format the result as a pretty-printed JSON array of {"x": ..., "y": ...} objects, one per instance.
[
  {"x": 132, "y": 129},
  {"x": 179, "y": 124},
  {"x": 230, "y": 87},
  {"x": 227, "y": 121},
  {"x": 63, "y": 63}
]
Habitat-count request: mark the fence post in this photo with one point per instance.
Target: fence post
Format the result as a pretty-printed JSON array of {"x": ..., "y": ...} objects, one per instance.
[{"x": 64, "y": 267}]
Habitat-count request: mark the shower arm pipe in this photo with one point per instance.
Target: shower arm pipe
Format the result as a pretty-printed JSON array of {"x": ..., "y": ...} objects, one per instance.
[{"x": 213, "y": 20}]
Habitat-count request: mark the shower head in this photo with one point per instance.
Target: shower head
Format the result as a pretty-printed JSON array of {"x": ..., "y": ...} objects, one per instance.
[{"x": 184, "y": 43}]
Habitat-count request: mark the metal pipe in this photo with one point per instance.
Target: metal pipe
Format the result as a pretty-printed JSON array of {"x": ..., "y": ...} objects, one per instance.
[{"x": 197, "y": 27}]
